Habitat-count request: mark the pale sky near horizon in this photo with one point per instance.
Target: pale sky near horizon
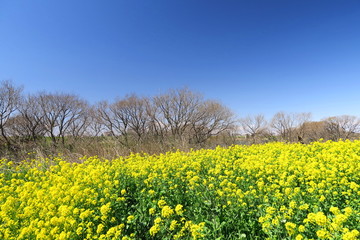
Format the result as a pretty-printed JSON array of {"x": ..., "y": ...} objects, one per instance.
[{"x": 253, "y": 56}]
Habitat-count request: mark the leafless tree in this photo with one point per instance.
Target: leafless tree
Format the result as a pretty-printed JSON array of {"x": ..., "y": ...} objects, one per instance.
[
  {"x": 119, "y": 122},
  {"x": 95, "y": 126},
  {"x": 212, "y": 118},
  {"x": 135, "y": 108},
  {"x": 254, "y": 127},
  {"x": 301, "y": 120},
  {"x": 78, "y": 127},
  {"x": 114, "y": 120},
  {"x": 344, "y": 127},
  {"x": 313, "y": 131},
  {"x": 60, "y": 112},
  {"x": 10, "y": 97},
  {"x": 177, "y": 109},
  {"x": 288, "y": 125},
  {"x": 126, "y": 119},
  {"x": 283, "y": 123},
  {"x": 157, "y": 127},
  {"x": 104, "y": 116},
  {"x": 30, "y": 122}
]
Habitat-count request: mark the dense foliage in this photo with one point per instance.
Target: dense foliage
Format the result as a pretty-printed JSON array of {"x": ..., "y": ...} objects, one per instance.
[{"x": 274, "y": 191}]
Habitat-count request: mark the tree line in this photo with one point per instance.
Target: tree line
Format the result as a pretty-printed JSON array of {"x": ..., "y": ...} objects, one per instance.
[
  {"x": 298, "y": 127},
  {"x": 178, "y": 119}
]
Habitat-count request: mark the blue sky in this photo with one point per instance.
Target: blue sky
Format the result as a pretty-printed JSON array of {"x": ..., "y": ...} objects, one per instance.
[{"x": 254, "y": 56}]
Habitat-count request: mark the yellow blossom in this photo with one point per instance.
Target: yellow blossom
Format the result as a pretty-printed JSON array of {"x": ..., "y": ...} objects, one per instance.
[{"x": 179, "y": 209}]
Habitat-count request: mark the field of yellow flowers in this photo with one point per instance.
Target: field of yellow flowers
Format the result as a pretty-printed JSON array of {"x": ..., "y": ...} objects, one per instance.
[{"x": 271, "y": 191}]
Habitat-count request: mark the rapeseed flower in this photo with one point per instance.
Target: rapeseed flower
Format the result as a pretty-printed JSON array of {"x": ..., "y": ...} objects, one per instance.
[{"x": 276, "y": 189}]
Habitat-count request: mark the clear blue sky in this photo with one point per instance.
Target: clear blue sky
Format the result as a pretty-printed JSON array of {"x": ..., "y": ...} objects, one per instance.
[{"x": 254, "y": 56}]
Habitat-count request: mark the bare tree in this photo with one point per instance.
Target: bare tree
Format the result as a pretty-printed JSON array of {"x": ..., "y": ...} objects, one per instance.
[
  {"x": 157, "y": 127},
  {"x": 30, "y": 122},
  {"x": 78, "y": 126},
  {"x": 126, "y": 119},
  {"x": 114, "y": 120},
  {"x": 136, "y": 110},
  {"x": 185, "y": 117},
  {"x": 177, "y": 109},
  {"x": 10, "y": 97},
  {"x": 60, "y": 112},
  {"x": 313, "y": 131},
  {"x": 105, "y": 117},
  {"x": 254, "y": 127},
  {"x": 120, "y": 122},
  {"x": 211, "y": 119},
  {"x": 288, "y": 125},
  {"x": 344, "y": 127},
  {"x": 95, "y": 126},
  {"x": 301, "y": 120},
  {"x": 283, "y": 124}
]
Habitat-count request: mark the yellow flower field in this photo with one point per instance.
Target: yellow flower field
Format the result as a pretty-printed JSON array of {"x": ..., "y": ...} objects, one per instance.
[{"x": 271, "y": 191}]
